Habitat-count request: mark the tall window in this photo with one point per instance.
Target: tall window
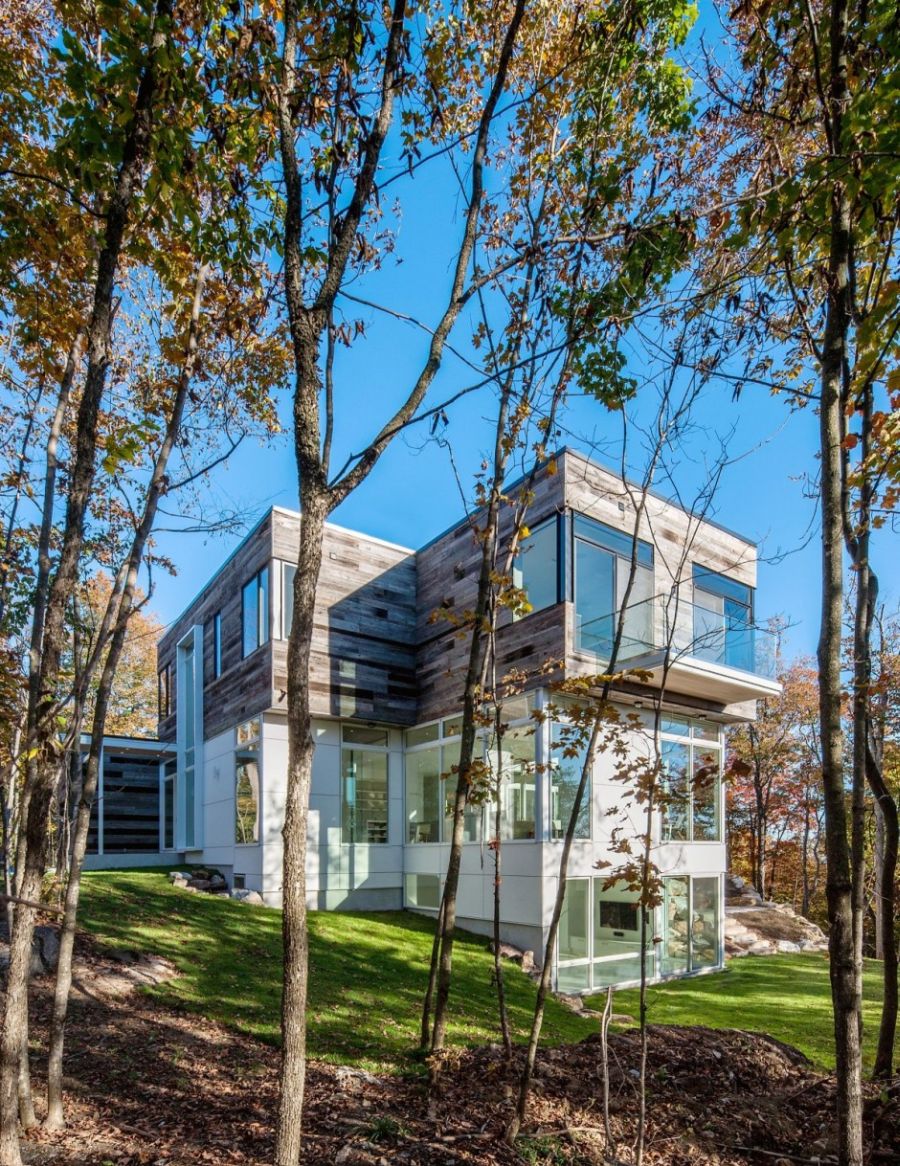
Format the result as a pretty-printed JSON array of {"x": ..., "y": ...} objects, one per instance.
[
  {"x": 255, "y": 612},
  {"x": 170, "y": 778},
  {"x": 246, "y": 783},
  {"x": 288, "y": 574},
  {"x": 165, "y": 692},
  {"x": 188, "y": 665},
  {"x": 364, "y": 785},
  {"x": 517, "y": 783},
  {"x": 723, "y": 620},
  {"x": 691, "y": 780},
  {"x": 566, "y": 764},
  {"x": 602, "y": 558},
  {"x": 536, "y": 569},
  {"x": 217, "y": 645},
  {"x": 690, "y": 924}
]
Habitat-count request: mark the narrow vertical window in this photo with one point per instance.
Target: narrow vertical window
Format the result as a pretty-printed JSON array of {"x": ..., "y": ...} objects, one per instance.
[
  {"x": 364, "y": 785},
  {"x": 165, "y": 693},
  {"x": 288, "y": 574},
  {"x": 255, "y": 612},
  {"x": 170, "y": 778},
  {"x": 217, "y": 645},
  {"x": 246, "y": 783}
]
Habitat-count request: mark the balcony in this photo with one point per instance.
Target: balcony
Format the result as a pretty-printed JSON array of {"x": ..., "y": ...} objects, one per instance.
[{"x": 693, "y": 649}]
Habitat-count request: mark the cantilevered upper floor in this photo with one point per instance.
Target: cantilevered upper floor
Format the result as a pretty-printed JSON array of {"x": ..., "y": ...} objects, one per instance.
[{"x": 386, "y": 644}]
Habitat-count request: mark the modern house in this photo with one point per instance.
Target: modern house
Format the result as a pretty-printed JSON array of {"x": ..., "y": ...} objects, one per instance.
[{"x": 386, "y": 691}]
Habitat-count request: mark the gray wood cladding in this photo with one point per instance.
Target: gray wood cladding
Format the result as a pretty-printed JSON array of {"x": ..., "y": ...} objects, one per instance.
[
  {"x": 363, "y": 656},
  {"x": 448, "y": 583},
  {"x": 363, "y": 653},
  {"x": 245, "y": 685},
  {"x": 381, "y": 649}
]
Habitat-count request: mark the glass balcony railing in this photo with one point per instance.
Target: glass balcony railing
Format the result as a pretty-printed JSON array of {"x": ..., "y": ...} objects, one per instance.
[{"x": 689, "y": 630}]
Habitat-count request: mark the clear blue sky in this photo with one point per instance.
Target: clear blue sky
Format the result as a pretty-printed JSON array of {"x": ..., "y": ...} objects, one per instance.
[{"x": 412, "y": 494}]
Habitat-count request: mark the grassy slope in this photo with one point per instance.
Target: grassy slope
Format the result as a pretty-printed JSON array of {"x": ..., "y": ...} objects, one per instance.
[
  {"x": 367, "y": 971},
  {"x": 786, "y": 996}
]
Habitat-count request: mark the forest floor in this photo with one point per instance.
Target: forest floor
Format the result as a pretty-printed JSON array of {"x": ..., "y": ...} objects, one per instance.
[{"x": 155, "y": 1084}]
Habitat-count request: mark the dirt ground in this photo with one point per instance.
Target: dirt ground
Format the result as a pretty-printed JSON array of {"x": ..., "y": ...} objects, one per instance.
[{"x": 153, "y": 1086}]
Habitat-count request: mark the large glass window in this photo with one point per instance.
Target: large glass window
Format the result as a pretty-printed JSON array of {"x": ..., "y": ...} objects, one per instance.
[
  {"x": 723, "y": 620},
  {"x": 536, "y": 569},
  {"x": 690, "y": 924},
  {"x": 690, "y": 792},
  {"x": 364, "y": 795},
  {"x": 473, "y": 816},
  {"x": 574, "y": 970},
  {"x": 566, "y": 764},
  {"x": 600, "y": 932},
  {"x": 617, "y": 936},
  {"x": 246, "y": 783},
  {"x": 423, "y": 795},
  {"x": 674, "y": 949},
  {"x": 704, "y": 923},
  {"x": 602, "y": 557},
  {"x": 255, "y": 612},
  {"x": 517, "y": 782}
]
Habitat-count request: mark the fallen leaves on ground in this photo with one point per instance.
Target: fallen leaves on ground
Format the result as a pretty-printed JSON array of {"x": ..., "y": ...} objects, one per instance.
[{"x": 148, "y": 1085}]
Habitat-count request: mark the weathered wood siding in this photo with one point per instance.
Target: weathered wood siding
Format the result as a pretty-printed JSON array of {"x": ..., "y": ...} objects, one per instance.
[
  {"x": 245, "y": 685},
  {"x": 363, "y": 653},
  {"x": 448, "y": 583}
]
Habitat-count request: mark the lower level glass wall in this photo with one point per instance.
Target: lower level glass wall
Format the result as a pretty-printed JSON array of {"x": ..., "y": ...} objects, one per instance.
[{"x": 600, "y": 932}]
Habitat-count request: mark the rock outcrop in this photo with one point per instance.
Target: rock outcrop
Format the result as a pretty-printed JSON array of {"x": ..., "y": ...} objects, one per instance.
[{"x": 754, "y": 926}]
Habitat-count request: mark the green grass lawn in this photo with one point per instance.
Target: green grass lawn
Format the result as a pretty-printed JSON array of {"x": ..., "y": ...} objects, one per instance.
[
  {"x": 786, "y": 996},
  {"x": 368, "y": 971}
]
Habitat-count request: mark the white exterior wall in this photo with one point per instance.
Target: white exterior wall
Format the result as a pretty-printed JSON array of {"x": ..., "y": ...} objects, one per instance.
[{"x": 338, "y": 875}]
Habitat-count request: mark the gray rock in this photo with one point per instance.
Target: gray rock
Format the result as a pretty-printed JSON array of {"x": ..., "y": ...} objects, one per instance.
[
  {"x": 243, "y": 895},
  {"x": 787, "y": 946},
  {"x": 178, "y": 875}
]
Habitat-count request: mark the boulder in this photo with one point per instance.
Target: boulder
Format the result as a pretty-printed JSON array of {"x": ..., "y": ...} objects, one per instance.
[
  {"x": 176, "y": 876},
  {"x": 242, "y": 895},
  {"x": 44, "y": 950}
]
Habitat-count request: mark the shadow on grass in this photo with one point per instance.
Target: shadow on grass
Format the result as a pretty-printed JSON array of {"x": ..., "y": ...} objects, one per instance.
[{"x": 367, "y": 970}]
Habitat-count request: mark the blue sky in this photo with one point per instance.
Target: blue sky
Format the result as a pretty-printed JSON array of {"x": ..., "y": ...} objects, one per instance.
[{"x": 413, "y": 493}]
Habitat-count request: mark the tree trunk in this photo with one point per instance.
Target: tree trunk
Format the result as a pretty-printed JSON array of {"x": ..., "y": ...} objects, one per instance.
[
  {"x": 885, "y": 896},
  {"x": 288, "y": 1138},
  {"x": 845, "y": 972},
  {"x": 498, "y": 873},
  {"x": 116, "y": 619}
]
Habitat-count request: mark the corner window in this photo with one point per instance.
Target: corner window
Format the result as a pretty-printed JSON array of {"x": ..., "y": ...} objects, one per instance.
[
  {"x": 602, "y": 557},
  {"x": 536, "y": 569},
  {"x": 364, "y": 785},
  {"x": 246, "y": 783},
  {"x": 690, "y": 925},
  {"x": 255, "y": 612},
  {"x": 691, "y": 782},
  {"x": 566, "y": 765},
  {"x": 723, "y": 620}
]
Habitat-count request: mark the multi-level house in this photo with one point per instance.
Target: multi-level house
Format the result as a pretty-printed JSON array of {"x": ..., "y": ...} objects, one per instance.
[{"x": 386, "y": 691}]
